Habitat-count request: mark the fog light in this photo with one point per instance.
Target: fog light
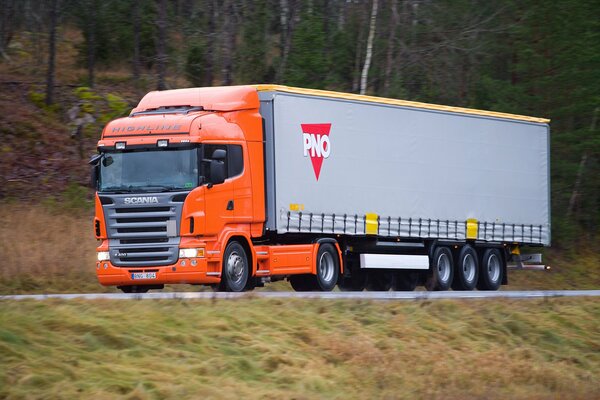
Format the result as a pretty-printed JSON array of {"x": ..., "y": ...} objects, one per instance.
[
  {"x": 103, "y": 256},
  {"x": 194, "y": 262},
  {"x": 105, "y": 266},
  {"x": 183, "y": 263}
]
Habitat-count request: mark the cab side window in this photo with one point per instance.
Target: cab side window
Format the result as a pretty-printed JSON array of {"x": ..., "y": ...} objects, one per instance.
[{"x": 234, "y": 162}]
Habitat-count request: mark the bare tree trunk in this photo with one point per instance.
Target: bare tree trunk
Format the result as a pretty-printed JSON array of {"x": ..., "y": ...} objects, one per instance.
[
  {"x": 369, "y": 55},
  {"x": 284, "y": 11},
  {"x": 229, "y": 27},
  {"x": 390, "y": 50},
  {"x": 210, "y": 49},
  {"x": 136, "y": 40},
  {"x": 51, "y": 52},
  {"x": 584, "y": 157},
  {"x": 161, "y": 56},
  {"x": 287, "y": 34},
  {"x": 357, "y": 58},
  {"x": 341, "y": 22},
  {"x": 91, "y": 48}
]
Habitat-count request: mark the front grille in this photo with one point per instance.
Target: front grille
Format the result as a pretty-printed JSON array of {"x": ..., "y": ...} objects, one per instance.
[
  {"x": 142, "y": 209},
  {"x": 142, "y": 241},
  {"x": 144, "y": 235}
]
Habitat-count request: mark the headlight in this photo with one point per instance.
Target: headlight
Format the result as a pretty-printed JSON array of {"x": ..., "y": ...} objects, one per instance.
[
  {"x": 191, "y": 253},
  {"x": 103, "y": 256}
]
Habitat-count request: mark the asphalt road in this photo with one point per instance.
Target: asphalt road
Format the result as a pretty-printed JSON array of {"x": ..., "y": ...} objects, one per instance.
[{"x": 314, "y": 295}]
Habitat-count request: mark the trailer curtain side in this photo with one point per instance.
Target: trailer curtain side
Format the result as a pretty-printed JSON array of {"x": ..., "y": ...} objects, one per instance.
[{"x": 403, "y": 171}]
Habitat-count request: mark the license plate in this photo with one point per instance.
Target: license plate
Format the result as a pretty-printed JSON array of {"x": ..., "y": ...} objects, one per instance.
[{"x": 143, "y": 275}]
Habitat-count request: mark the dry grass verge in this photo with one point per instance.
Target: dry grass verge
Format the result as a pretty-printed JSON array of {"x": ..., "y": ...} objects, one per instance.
[
  {"x": 46, "y": 251},
  {"x": 302, "y": 349}
]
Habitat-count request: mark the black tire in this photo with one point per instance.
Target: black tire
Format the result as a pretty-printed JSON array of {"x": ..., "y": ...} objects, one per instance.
[
  {"x": 466, "y": 269},
  {"x": 441, "y": 271},
  {"x": 405, "y": 281},
  {"x": 380, "y": 281},
  {"x": 328, "y": 268},
  {"x": 302, "y": 283},
  {"x": 134, "y": 289},
  {"x": 356, "y": 282},
  {"x": 236, "y": 271},
  {"x": 491, "y": 270}
]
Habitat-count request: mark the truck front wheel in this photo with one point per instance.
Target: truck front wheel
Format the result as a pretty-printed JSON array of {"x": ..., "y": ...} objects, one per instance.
[
  {"x": 441, "y": 271},
  {"x": 234, "y": 277}
]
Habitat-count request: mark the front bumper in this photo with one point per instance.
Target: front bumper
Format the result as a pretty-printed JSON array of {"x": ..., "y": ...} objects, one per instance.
[{"x": 201, "y": 273}]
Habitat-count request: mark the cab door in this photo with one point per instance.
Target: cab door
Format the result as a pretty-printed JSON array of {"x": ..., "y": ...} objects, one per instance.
[{"x": 219, "y": 196}]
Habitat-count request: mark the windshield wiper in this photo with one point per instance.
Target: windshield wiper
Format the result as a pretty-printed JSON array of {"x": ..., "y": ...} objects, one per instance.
[
  {"x": 159, "y": 188},
  {"x": 117, "y": 189}
]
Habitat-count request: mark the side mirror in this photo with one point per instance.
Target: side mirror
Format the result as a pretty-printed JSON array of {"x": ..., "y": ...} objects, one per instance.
[
  {"x": 95, "y": 163},
  {"x": 217, "y": 171},
  {"x": 94, "y": 177}
]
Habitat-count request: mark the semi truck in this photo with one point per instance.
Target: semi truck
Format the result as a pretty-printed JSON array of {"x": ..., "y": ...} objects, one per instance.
[{"x": 234, "y": 187}]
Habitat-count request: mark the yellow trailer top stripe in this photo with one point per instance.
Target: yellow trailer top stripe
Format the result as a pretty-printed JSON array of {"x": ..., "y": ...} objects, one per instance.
[{"x": 405, "y": 103}]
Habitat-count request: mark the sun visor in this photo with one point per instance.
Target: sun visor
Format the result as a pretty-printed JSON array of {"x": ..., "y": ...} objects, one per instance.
[{"x": 224, "y": 98}]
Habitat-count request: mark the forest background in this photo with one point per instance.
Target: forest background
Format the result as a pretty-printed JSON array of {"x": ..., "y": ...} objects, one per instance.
[{"x": 69, "y": 66}]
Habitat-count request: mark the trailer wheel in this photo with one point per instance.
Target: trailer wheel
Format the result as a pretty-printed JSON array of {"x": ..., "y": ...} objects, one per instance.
[
  {"x": 490, "y": 274},
  {"x": 441, "y": 271},
  {"x": 380, "y": 281},
  {"x": 235, "y": 268},
  {"x": 467, "y": 269},
  {"x": 405, "y": 281}
]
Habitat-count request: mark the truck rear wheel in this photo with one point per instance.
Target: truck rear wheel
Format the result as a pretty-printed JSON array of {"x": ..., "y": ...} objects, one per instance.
[
  {"x": 467, "y": 269},
  {"x": 328, "y": 268},
  {"x": 234, "y": 277},
  {"x": 441, "y": 271},
  {"x": 491, "y": 269}
]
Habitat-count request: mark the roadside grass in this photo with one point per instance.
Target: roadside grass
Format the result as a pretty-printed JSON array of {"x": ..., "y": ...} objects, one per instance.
[
  {"x": 302, "y": 349},
  {"x": 44, "y": 249}
]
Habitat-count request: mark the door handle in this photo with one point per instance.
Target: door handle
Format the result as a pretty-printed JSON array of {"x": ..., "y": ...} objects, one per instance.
[{"x": 230, "y": 205}]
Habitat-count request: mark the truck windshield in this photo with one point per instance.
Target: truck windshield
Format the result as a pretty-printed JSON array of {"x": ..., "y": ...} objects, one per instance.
[{"x": 149, "y": 170}]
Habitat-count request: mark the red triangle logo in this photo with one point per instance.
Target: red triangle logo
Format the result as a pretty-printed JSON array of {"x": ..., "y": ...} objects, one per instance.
[{"x": 315, "y": 138}]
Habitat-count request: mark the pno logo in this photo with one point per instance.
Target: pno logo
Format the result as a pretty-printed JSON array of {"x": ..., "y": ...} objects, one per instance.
[{"x": 317, "y": 146}]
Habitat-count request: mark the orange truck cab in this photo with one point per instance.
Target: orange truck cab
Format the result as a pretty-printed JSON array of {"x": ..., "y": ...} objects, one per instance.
[{"x": 206, "y": 186}]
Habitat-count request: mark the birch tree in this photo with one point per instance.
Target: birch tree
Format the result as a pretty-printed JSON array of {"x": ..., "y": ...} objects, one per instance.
[{"x": 369, "y": 54}]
